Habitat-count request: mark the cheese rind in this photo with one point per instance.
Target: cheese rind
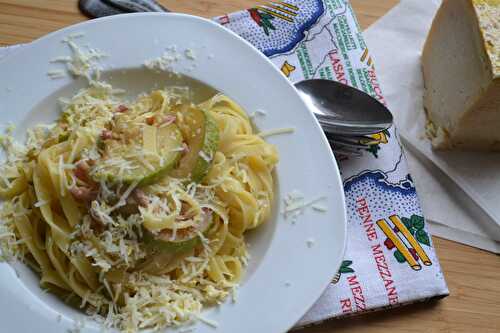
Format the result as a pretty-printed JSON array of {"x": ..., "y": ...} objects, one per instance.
[
  {"x": 488, "y": 13},
  {"x": 461, "y": 69}
]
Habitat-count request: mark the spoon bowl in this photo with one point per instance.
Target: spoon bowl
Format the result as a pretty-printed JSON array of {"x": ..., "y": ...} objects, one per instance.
[{"x": 344, "y": 110}]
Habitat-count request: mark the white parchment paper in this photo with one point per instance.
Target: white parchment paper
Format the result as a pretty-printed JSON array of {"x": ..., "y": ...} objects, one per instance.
[{"x": 460, "y": 192}]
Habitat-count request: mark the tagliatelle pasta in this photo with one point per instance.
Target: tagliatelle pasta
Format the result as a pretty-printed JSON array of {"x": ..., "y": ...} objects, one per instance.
[{"x": 136, "y": 211}]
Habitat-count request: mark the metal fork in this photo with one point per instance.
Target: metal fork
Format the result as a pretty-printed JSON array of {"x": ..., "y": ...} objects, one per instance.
[{"x": 350, "y": 145}]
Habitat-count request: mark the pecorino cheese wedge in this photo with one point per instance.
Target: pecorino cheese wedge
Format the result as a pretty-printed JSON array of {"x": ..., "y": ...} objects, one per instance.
[{"x": 461, "y": 68}]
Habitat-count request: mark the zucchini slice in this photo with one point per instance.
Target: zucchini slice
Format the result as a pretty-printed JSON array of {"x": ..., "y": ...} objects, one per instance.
[
  {"x": 185, "y": 239},
  {"x": 201, "y": 135},
  {"x": 141, "y": 156}
]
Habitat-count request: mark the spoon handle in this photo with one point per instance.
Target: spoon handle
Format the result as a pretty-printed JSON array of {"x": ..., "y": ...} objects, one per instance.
[
  {"x": 101, "y": 8},
  {"x": 136, "y": 5}
]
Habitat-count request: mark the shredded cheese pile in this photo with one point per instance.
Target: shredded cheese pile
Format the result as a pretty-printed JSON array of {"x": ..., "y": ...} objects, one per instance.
[{"x": 86, "y": 237}]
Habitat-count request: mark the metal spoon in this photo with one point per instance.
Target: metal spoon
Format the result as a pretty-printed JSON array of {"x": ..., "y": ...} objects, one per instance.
[{"x": 343, "y": 110}]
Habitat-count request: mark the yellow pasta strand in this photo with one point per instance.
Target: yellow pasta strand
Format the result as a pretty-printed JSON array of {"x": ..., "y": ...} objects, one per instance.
[{"x": 27, "y": 234}]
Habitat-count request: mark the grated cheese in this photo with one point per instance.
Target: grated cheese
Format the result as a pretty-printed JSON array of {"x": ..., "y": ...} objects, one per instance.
[
  {"x": 41, "y": 203},
  {"x": 108, "y": 288},
  {"x": 7, "y": 234},
  {"x": 61, "y": 59},
  {"x": 56, "y": 74},
  {"x": 123, "y": 199},
  {"x": 78, "y": 325},
  {"x": 164, "y": 62},
  {"x": 82, "y": 62},
  {"x": 189, "y": 53},
  {"x": 310, "y": 242},
  {"x": 84, "y": 299},
  {"x": 258, "y": 112},
  {"x": 62, "y": 177},
  {"x": 189, "y": 330},
  {"x": 278, "y": 131},
  {"x": 295, "y": 205},
  {"x": 204, "y": 156},
  {"x": 234, "y": 294},
  {"x": 207, "y": 321},
  {"x": 74, "y": 35},
  {"x": 319, "y": 208},
  {"x": 100, "y": 213}
]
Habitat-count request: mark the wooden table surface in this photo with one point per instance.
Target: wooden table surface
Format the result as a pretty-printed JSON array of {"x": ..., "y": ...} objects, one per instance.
[{"x": 473, "y": 275}]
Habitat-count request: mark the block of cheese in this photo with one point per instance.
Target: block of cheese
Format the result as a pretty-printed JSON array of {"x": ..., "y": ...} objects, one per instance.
[{"x": 461, "y": 69}]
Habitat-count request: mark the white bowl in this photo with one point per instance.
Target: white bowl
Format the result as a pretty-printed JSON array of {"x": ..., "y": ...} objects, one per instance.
[{"x": 285, "y": 276}]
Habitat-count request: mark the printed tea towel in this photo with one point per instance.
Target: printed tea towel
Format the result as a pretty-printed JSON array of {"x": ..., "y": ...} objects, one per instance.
[{"x": 390, "y": 259}]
